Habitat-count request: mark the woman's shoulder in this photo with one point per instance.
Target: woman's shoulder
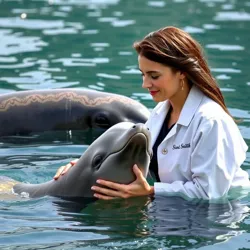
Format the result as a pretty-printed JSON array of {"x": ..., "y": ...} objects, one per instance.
[
  {"x": 213, "y": 120},
  {"x": 209, "y": 115},
  {"x": 211, "y": 110}
]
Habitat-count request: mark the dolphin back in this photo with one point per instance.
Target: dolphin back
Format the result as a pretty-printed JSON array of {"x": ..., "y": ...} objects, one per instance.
[{"x": 25, "y": 112}]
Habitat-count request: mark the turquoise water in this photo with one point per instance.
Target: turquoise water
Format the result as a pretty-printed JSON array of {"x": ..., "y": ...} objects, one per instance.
[{"x": 88, "y": 43}]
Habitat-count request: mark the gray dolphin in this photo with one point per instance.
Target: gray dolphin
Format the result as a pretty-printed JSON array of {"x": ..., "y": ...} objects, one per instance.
[
  {"x": 25, "y": 112},
  {"x": 111, "y": 157}
]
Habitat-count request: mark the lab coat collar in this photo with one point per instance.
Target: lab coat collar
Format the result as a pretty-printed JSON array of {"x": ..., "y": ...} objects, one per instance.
[
  {"x": 157, "y": 118},
  {"x": 159, "y": 114},
  {"x": 163, "y": 109},
  {"x": 190, "y": 106}
]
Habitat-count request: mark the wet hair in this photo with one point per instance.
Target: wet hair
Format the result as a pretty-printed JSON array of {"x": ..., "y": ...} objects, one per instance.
[{"x": 175, "y": 48}]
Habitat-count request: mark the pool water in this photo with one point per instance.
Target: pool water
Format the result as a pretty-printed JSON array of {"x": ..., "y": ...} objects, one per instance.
[{"x": 88, "y": 44}]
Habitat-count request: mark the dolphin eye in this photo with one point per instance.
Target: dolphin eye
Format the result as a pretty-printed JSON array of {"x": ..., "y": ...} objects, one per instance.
[
  {"x": 101, "y": 120},
  {"x": 97, "y": 161}
]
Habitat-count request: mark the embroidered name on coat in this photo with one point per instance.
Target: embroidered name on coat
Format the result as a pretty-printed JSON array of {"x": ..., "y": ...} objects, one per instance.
[{"x": 181, "y": 146}]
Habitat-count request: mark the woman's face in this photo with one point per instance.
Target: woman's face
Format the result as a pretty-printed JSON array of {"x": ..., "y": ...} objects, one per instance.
[{"x": 160, "y": 80}]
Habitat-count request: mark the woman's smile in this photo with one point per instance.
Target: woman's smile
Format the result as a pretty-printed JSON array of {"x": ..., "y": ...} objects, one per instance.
[{"x": 153, "y": 92}]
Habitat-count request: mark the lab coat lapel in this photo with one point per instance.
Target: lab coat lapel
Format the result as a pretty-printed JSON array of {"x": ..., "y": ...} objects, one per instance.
[
  {"x": 171, "y": 132},
  {"x": 191, "y": 105},
  {"x": 158, "y": 119},
  {"x": 188, "y": 111}
]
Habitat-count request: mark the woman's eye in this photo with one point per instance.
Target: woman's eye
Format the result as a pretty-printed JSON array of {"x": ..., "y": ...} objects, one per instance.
[{"x": 154, "y": 77}]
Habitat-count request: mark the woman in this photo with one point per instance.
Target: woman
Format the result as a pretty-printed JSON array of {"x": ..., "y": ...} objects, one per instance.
[{"x": 198, "y": 149}]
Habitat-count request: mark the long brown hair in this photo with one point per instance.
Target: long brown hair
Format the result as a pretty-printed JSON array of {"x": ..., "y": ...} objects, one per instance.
[{"x": 175, "y": 48}]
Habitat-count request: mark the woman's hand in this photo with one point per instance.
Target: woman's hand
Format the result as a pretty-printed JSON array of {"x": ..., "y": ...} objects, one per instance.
[
  {"x": 64, "y": 169},
  {"x": 139, "y": 187}
]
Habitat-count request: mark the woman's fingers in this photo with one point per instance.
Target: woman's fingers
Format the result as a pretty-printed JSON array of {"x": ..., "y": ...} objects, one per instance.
[
  {"x": 138, "y": 172},
  {"x": 67, "y": 167},
  {"x": 112, "y": 185},
  {"x": 106, "y": 191},
  {"x": 64, "y": 169},
  {"x": 110, "y": 190},
  {"x": 107, "y": 194},
  {"x": 73, "y": 162},
  {"x": 59, "y": 172}
]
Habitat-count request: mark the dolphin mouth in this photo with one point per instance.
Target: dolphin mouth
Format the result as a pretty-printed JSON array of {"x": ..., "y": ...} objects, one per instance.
[
  {"x": 135, "y": 148},
  {"x": 148, "y": 150}
]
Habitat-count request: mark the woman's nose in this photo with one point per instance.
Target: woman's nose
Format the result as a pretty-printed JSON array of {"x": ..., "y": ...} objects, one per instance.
[{"x": 146, "y": 83}]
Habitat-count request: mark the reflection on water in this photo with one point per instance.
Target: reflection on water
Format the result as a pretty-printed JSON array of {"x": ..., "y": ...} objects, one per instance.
[
  {"x": 232, "y": 16},
  {"x": 136, "y": 221},
  {"x": 59, "y": 138},
  {"x": 175, "y": 216},
  {"x": 160, "y": 217},
  {"x": 14, "y": 43}
]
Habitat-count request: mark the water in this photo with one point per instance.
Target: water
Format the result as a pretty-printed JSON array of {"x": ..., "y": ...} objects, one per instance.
[{"x": 88, "y": 43}]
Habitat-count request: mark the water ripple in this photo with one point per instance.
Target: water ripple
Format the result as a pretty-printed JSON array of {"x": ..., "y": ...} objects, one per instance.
[
  {"x": 158, "y": 4},
  {"x": 211, "y": 26},
  {"x": 60, "y": 31},
  {"x": 131, "y": 71},
  {"x": 83, "y": 62},
  {"x": 90, "y": 4},
  {"x": 238, "y": 113},
  {"x": 20, "y": 11},
  {"x": 14, "y": 43},
  {"x": 225, "y": 70},
  {"x": 224, "y": 77},
  {"x": 225, "y": 47},
  {"x": 27, "y": 62},
  {"x": 16, "y": 22},
  {"x": 7, "y": 59},
  {"x": 122, "y": 23},
  {"x": 108, "y": 76},
  {"x": 191, "y": 29},
  {"x": 232, "y": 16}
]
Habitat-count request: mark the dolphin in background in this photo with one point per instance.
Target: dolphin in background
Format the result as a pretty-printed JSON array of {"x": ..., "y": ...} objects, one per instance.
[{"x": 31, "y": 111}]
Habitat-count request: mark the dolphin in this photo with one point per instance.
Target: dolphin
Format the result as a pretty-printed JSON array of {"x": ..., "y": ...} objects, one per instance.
[
  {"x": 31, "y": 111},
  {"x": 111, "y": 157}
]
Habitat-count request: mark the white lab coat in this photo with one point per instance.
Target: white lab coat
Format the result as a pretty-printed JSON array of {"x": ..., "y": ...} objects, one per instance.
[{"x": 202, "y": 154}]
